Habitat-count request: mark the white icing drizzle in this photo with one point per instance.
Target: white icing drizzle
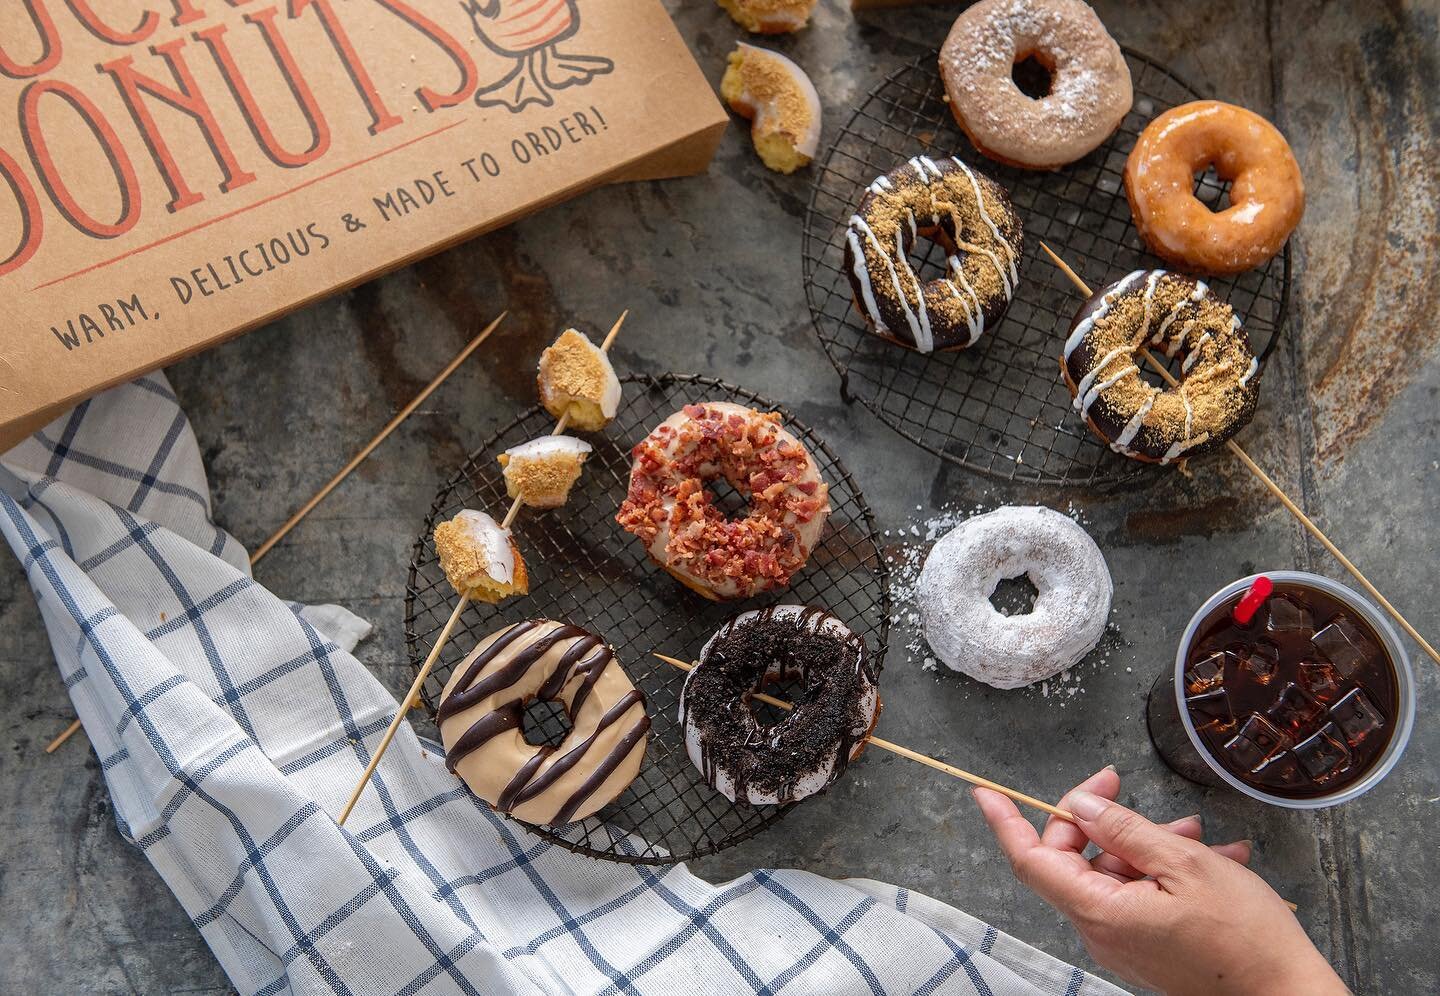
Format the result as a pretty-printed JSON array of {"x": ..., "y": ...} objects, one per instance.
[
  {"x": 973, "y": 316},
  {"x": 924, "y": 337},
  {"x": 1194, "y": 354},
  {"x": 915, "y": 331},
  {"x": 1132, "y": 428},
  {"x": 1083, "y": 329},
  {"x": 1014, "y": 278},
  {"x": 1173, "y": 346},
  {"x": 1254, "y": 366},
  {"x": 862, "y": 273},
  {"x": 1149, "y": 298},
  {"x": 1103, "y": 386},
  {"x": 1083, "y": 388}
]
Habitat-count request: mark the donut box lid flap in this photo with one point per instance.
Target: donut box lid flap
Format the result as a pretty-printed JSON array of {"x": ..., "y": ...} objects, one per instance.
[{"x": 172, "y": 178}]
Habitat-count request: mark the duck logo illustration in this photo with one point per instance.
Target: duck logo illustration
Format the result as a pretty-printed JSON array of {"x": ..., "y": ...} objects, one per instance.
[{"x": 529, "y": 32}]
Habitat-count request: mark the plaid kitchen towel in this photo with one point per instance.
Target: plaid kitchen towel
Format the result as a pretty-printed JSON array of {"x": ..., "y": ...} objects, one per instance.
[{"x": 230, "y": 727}]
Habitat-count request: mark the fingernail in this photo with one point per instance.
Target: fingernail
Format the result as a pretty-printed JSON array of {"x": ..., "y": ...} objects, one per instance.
[
  {"x": 1087, "y": 805},
  {"x": 1194, "y": 816},
  {"x": 1110, "y": 767}
]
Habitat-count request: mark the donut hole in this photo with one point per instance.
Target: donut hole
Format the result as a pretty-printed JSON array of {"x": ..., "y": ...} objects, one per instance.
[
  {"x": 1212, "y": 189},
  {"x": 1170, "y": 363},
  {"x": 544, "y": 723},
  {"x": 1015, "y": 596},
  {"x": 1033, "y": 77},
  {"x": 726, "y": 499},
  {"x": 927, "y": 253},
  {"x": 786, "y": 689}
]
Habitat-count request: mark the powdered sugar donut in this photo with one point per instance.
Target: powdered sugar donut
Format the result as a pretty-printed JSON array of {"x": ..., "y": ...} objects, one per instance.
[
  {"x": 1090, "y": 89},
  {"x": 1071, "y": 608}
]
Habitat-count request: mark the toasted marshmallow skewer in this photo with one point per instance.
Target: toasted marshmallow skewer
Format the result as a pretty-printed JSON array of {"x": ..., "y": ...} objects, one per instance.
[
  {"x": 780, "y": 100},
  {"x": 577, "y": 382},
  {"x": 541, "y": 472}
]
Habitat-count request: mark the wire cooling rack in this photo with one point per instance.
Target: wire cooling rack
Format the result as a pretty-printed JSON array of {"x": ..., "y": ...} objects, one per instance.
[
  {"x": 1000, "y": 407},
  {"x": 585, "y": 570}
]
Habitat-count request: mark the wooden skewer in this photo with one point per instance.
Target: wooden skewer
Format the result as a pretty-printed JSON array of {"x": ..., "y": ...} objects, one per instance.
[
  {"x": 413, "y": 695},
  {"x": 1272, "y": 487},
  {"x": 930, "y": 762},
  {"x": 405, "y": 706},
  {"x": 345, "y": 471},
  {"x": 913, "y": 755},
  {"x": 565, "y": 415}
]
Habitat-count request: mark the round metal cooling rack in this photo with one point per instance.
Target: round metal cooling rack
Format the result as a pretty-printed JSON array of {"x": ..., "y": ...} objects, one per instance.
[
  {"x": 585, "y": 570},
  {"x": 1000, "y": 407}
]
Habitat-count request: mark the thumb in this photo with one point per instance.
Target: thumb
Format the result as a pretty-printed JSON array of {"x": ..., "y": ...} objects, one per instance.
[{"x": 1153, "y": 850}]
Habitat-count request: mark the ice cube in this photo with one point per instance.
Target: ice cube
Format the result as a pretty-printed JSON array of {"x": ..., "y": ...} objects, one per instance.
[
  {"x": 1283, "y": 770},
  {"x": 1207, "y": 674},
  {"x": 1259, "y": 662},
  {"x": 1257, "y": 743},
  {"x": 1325, "y": 756},
  {"x": 1321, "y": 680},
  {"x": 1345, "y": 645},
  {"x": 1357, "y": 717},
  {"x": 1211, "y": 710},
  {"x": 1288, "y": 616},
  {"x": 1296, "y": 712}
]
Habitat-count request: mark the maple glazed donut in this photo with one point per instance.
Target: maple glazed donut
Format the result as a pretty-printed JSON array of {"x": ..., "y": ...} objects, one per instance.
[
  {"x": 1072, "y": 601},
  {"x": 1267, "y": 195},
  {"x": 971, "y": 217},
  {"x": 483, "y": 707},
  {"x": 836, "y": 705},
  {"x": 674, "y": 514},
  {"x": 1218, "y": 387},
  {"x": 1090, "y": 88}
]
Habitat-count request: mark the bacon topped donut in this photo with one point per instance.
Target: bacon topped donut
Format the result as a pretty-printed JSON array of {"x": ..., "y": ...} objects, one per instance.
[{"x": 675, "y": 515}]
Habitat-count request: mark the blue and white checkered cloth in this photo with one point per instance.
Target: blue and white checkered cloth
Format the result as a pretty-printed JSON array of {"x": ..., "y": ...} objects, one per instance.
[{"x": 231, "y": 726}]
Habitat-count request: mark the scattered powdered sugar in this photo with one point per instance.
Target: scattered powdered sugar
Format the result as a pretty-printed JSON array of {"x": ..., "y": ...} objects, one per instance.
[{"x": 906, "y": 552}]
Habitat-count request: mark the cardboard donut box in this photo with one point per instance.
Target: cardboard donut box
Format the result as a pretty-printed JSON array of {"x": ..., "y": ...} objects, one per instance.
[{"x": 179, "y": 171}]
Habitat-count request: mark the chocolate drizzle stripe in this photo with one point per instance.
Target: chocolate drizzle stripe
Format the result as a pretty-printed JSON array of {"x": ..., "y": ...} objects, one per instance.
[
  {"x": 603, "y": 770},
  {"x": 503, "y": 677},
  {"x": 483, "y": 730},
  {"x": 478, "y": 664},
  {"x": 575, "y": 754}
]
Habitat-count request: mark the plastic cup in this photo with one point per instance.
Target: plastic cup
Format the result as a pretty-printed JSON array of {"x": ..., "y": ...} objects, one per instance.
[{"x": 1173, "y": 734}]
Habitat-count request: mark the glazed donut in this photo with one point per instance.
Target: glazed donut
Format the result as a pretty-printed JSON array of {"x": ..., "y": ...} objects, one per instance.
[
  {"x": 810, "y": 747},
  {"x": 483, "y": 706},
  {"x": 966, "y": 212},
  {"x": 781, "y": 101},
  {"x": 1219, "y": 384},
  {"x": 1090, "y": 91},
  {"x": 1072, "y": 604},
  {"x": 1267, "y": 195},
  {"x": 769, "y": 17},
  {"x": 672, "y": 512}
]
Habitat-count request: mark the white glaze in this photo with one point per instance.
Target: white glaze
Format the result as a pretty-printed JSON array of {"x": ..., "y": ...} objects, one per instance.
[{"x": 492, "y": 541}]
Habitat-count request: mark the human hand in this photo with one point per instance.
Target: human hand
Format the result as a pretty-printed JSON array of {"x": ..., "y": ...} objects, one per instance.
[{"x": 1158, "y": 907}]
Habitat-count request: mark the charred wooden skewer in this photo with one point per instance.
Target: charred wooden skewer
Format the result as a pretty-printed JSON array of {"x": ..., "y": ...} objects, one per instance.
[
  {"x": 1271, "y": 486},
  {"x": 345, "y": 471}
]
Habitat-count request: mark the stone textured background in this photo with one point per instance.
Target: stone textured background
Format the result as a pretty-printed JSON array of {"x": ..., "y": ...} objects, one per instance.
[{"x": 711, "y": 270}]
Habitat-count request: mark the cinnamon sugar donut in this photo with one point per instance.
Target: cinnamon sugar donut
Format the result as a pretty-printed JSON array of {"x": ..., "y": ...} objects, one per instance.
[
  {"x": 1267, "y": 195},
  {"x": 970, "y": 215},
  {"x": 674, "y": 514},
  {"x": 1218, "y": 387},
  {"x": 1090, "y": 90}
]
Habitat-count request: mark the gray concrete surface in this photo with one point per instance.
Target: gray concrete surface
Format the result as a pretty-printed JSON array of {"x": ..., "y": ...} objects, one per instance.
[{"x": 711, "y": 269}]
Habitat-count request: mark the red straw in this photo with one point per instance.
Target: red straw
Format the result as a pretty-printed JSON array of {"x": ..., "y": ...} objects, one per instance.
[{"x": 1246, "y": 608}]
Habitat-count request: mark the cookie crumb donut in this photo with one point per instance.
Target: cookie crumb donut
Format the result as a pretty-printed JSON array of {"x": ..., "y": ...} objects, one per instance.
[
  {"x": 836, "y": 706},
  {"x": 769, "y": 17},
  {"x": 1219, "y": 375},
  {"x": 781, "y": 102},
  {"x": 540, "y": 473},
  {"x": 1072, "y": 604},
  {"x": 483, "y": 706},
  {"x": 479, "y": 558},
  {"x": 1267, "y": 195},
  {"x": 576, "y": 377},
  {"x": 670, "y": 509},
  {"x": 970, "y": 215},
  {"x": 1090, "y": 88}
]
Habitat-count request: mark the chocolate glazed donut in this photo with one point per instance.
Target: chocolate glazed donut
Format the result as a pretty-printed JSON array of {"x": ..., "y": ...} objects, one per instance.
[
  {"x": 836, "y": 705},
  {"x": 1218, "y": 387},
  {"x": 971, "y": 217},
  {"x": 483, "y": 707}
]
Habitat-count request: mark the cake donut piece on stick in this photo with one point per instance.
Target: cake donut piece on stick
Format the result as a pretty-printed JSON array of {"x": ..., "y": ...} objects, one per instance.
[
  {"x": 541, "y": 472},
  {"x": 769, "y": 17},
  {"x": 577, "y": 382},
  {"x": 480, "y": 559},
  {"x": 781, "y": 102}
]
